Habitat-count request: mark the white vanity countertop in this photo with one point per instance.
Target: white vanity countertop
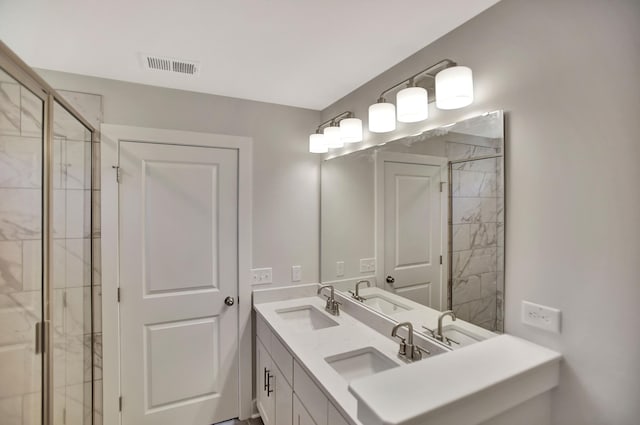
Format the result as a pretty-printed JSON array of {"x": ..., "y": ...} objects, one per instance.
[
  {"x": 438, "y": 390},
  {"x": 310, "y": 348}
]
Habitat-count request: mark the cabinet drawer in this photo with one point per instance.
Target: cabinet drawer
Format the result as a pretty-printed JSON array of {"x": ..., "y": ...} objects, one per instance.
[
  {"x": 263, "y": 332},
  {"x": 300, "y": 414},
  {"x": 282, "y": 358},
  {"x": 310, "y": 395}
]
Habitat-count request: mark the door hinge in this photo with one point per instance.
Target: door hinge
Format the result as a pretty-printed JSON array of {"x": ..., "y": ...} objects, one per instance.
[
  {"x": 120, "y": 403},
  {"x": 118, "y": 173},
  {"x": 39, "y": 336},
  {"x": 64, "y": 415},
  {"x": 118, "y": 294},
  {"x": 441, "y": 259},
  {"x": 442, "y": 186}
]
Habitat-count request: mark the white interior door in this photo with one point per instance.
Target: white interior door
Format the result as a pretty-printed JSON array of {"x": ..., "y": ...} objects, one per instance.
[
  {"x": 413, "y": 229},
  {"x": 178, "y": 263}
]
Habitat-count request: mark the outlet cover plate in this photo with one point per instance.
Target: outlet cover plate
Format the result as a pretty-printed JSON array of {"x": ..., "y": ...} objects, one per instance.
[
  {"x": 261, "y": 276},
  {"x": 367, "y": 265},
  {"x": 541, "y": 316},
  {"x": 296, "y": 273}
]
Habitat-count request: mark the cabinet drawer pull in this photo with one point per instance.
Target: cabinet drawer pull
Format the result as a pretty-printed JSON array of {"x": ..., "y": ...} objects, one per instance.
[
  {"x": 265, "y": 379},
  {"x": 269, "y": 389}
]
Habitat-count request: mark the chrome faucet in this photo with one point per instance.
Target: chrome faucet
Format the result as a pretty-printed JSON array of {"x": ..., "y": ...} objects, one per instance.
[
  {"x": 407, "y": 349},
  {"x": 444, "y": 314},
  {"x": 332, "y": 305},
  {"x": 356, "y": 295}
]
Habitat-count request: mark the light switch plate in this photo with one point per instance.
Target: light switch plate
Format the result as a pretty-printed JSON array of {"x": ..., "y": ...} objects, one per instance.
[
  {"x": 261, "y": 276},
  {"x": 541, "y": 316},
  {"x": 367, "y": 265},
  {"x": 339, "y": 268},
  {"x": 296, "y": 273}
]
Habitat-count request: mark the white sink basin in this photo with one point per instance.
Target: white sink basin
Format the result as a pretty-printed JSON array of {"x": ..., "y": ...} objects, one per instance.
[
  {"x": 358, "y": 363},
  {"x": 384, "y": 305},
  {"x": 457, "y": 337},
  {"x": 306, "y": 318}
]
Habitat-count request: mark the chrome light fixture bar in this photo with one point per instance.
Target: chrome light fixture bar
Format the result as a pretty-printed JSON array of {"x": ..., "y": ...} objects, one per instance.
[
  {"x": 453, "y": 89},
  {"x": 335, "y": 132}
]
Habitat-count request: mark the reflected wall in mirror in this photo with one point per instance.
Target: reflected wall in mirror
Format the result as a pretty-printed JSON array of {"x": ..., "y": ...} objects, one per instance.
[{"x": 419, "y": 222}]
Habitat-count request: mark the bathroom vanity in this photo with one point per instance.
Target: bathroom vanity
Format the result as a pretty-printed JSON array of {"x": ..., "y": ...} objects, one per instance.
[{"x": 316, "y": 368}]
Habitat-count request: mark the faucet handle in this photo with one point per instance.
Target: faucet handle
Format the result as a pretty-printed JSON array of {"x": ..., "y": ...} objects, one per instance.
[
  {"x": 431, "y": 331},
  {"x": 402, "y": 351}
]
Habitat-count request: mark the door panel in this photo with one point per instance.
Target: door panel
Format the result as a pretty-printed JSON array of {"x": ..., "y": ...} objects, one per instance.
[
  {"x": 178, "y": 262},
  {"x": 412, "y": 230}
]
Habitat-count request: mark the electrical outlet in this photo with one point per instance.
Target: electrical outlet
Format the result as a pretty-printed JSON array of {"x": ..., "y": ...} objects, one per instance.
[
  {"x": 296, "y": 273},
  {"x": 367, "y": 265},
  {"x": 261, "y": 276},
  {"x": 541, "y": 316},
  {"x": 340, "y": 268}
]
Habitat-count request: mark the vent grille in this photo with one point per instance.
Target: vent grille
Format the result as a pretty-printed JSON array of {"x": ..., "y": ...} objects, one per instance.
[{"x": 179, "y": 66}]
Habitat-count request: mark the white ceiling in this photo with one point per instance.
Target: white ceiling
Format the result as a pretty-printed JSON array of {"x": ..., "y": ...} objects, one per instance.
[{"x": 294, "y": 52}]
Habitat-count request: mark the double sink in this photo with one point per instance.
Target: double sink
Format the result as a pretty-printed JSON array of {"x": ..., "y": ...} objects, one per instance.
[{"x": 349, "y": 365}]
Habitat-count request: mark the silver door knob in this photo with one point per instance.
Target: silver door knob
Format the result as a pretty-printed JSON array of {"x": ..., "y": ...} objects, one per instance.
[
  {"x": 229, "y": 301},
  {"x": 390, "y": 279}
]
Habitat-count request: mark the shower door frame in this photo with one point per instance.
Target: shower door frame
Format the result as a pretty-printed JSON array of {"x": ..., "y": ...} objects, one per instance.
[{"x": 27, "y": 77}]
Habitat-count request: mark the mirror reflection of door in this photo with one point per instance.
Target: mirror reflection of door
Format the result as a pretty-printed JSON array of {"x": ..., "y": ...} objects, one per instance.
[{"x": 412, "y": 212}]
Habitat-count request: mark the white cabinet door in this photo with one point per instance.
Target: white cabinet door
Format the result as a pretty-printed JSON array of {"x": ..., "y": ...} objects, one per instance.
[
  {"x": 300, "y": 414},
  {"x": 265, "y": 398},
  {"x": 284, "y": 397},
  {"x": 178, "y": 262}
]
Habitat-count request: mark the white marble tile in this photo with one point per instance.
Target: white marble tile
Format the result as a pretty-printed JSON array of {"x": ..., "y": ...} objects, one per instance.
[
  {"x": 500, "y": 233},
  {"x": 31, "y": 114},
  {"x": 32, "y": 409},
  {"x": 20, "y": 210},
  {"x": 20, "y": 366},
  {"x": 59, "y": 359},
  {"x": 483, "y": 310},
  {"x": 97, "y": 356},
  {"x": 482, "y": 235},
  {"x": 488, "y": 284},
  {"x": 474, "y": 262},
  {"x": 97, "y": 402},
  {"x": 78, "y": 359},
  {"x": 11, "y": 410},
  {"x": 59, "y": 264},
  {"x": 59, "y": 207},
  {"x": 456, "y": 151},
  {"x": 78, "y": 311},
  {"x": 9, "y": 108},
  {"x": 461, "y": 238},
  {"x": 67, "y": 126},
  {"x": 6, "y": 78},
  {"x": 97, "y": 261},
  {"x": 466, "y": 210},
  {"x": 20, "y": 162},
  {"x": 77, "y": 164},
  {"x": 10, "y": 266},
  {"x": 59, "y": 311},
  {"x": 32, "y": 265},
  {"x": 78, "y": 404},
  {"x": 78, "y": 262},
  {"x": 18, "y": 314},
  {"x": 466, "y": 289},
  {"x": 97, "y": 309},
  {"x": 78, "y": 210}
]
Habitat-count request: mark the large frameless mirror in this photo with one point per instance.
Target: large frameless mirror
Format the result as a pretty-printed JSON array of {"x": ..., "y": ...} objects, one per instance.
[{"x": 415, "y": 227}]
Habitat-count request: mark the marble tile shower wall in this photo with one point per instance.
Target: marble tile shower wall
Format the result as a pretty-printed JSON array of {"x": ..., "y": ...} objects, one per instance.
[
  {"x": 20, "y": 259},
  {"x": 477, "y": 216}
]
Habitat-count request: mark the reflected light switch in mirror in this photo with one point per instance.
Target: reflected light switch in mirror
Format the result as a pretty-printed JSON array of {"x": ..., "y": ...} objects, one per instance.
[{"x": 340, "y": 268}]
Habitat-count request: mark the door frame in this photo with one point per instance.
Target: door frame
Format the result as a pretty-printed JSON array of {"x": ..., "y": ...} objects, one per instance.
[
  {"x": 111, "y": 135},
  {"x": 443, "y": 163}
]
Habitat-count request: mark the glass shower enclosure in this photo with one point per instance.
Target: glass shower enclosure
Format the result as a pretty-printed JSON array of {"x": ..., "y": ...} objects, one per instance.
[{"x": 46, "y": 320}]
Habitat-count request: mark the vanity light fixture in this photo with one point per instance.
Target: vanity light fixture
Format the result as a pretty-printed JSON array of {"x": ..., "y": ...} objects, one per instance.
[
  {"x": 335, "y": 132},
  {"x": 317, "y": 143},
  {"x": 453, "y": 89}
]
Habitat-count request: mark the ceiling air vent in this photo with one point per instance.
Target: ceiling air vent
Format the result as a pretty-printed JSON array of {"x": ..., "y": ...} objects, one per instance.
[{"x": 178, "y": 66}]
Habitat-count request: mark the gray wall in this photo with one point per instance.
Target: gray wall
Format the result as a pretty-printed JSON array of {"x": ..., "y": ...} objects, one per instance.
[
  {"x": 285, "y": 175},
  {"x": 567, "y": 74}
]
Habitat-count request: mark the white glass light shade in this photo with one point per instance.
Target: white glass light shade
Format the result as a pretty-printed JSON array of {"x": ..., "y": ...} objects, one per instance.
[
  {"x": 332, "y": 137},
  {"x": 413, "y": 104},
  {"x": 317, "y": 143},
  {"x": 382, "y": 117},
  {"x": 454, "y": 87},
  {"x": 351, "y": 130}
]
